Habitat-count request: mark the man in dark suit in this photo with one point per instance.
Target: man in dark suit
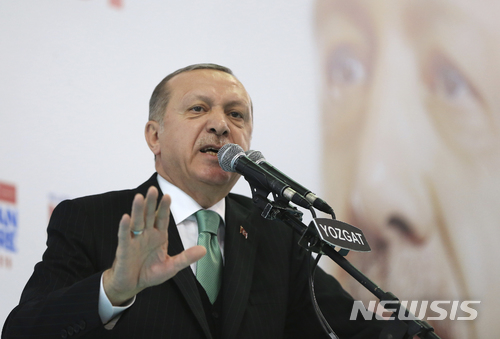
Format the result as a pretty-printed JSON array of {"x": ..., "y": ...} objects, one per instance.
[{"x": 143, "y": 283}]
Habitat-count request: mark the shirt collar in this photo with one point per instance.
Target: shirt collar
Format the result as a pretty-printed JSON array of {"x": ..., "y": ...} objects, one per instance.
[{"x": 183, "y": 206}]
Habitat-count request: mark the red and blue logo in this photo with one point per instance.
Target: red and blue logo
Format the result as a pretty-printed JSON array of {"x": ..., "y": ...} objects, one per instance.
[{"x": 8, "y": 217}]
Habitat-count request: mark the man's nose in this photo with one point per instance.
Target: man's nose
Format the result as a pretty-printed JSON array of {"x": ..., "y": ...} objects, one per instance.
[
  {"x": 217, "y": 122},
  {"x": 391, "y": 192}
]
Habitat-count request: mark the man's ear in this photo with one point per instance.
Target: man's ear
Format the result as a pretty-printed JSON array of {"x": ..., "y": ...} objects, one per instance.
[{"x": 152, "y": 134}]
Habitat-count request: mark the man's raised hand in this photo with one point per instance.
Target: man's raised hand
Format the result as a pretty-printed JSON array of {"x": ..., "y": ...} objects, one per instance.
[{"x": 141, "y": 257}]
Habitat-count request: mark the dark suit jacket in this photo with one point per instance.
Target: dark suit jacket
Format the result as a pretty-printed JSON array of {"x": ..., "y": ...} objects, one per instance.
[{"x": 265, "y": 292}]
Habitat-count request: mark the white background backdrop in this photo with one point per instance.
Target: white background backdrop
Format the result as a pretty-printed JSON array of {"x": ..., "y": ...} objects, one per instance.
[{"x": 76, "y": 76}]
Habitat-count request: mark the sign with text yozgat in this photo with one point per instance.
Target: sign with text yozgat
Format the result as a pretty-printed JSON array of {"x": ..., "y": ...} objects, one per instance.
[{"x": 340, "y": 234}]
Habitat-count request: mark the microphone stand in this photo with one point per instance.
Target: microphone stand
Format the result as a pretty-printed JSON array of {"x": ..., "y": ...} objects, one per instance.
[{"x": 396, "y": 328}]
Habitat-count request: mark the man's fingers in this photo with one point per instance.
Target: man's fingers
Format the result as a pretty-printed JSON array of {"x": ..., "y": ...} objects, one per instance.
[
  {"x": 137, "y": 215},
  {"x": 189, "y": 256},
  {"x": 163, "y": 213},
  {"x": 124, "y": 228},
  {"x": 150, "y": 207}
]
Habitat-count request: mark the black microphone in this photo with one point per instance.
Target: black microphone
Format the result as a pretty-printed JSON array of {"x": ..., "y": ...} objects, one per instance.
[
  {"x": 232, "y": 158},
  {"x": 313, "y": 199}
]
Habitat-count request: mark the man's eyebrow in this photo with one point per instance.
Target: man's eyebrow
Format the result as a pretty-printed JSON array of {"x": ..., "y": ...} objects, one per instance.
[
  {"x": 230, "y": 104},
  {"x": 197, "y": 96},
  {"x": 234, "y": 103}
]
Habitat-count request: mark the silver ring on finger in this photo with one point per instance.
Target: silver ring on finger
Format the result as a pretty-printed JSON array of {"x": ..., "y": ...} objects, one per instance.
[{"x": 136, "y": 233}]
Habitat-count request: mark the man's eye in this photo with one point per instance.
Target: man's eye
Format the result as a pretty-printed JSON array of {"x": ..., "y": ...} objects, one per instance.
[
  {"x": 345, "y": 68},
  {"x": 449, "y": 82},
  {"x": 457, "y": 106},
  {"x": 236, "y": 115},
  {"x": 197, "y": 109}
]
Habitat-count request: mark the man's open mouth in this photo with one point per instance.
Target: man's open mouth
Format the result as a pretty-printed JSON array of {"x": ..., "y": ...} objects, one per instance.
[{"x": 210, "y": 150}]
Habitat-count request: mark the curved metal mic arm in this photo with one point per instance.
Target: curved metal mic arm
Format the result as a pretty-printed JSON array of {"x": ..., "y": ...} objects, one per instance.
[{"x": 397, "y": 328}]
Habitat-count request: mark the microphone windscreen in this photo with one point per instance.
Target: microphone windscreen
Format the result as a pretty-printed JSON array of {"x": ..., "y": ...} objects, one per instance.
[
  {"x": 255, "y": 156},
  {"x": 228, "y": 156}
]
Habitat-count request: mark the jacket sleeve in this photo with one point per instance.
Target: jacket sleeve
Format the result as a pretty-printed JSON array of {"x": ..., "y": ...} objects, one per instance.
[{"x": 61, "y": 298}]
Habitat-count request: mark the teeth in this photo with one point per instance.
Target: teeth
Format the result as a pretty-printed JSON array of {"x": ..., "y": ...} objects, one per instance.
[{"x": 210, "y": 150}]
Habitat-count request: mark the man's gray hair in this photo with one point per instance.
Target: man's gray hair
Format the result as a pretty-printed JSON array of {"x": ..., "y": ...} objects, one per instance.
[{"x": 161, "y": 95}]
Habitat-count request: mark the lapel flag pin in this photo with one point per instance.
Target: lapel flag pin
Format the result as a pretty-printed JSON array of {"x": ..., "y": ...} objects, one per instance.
[{"x": 242, "y": 231}]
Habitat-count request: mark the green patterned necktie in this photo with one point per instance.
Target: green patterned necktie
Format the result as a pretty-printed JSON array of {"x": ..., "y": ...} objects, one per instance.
[{"x": 209, "y": 268}]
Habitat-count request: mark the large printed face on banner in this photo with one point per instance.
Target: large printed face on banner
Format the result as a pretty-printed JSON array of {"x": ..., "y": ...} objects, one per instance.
[{"x": 411, "y": 129}]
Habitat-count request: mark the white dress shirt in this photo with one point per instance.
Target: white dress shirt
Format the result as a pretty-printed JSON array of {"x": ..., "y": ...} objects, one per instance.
[{"x": 182, "y": 208}]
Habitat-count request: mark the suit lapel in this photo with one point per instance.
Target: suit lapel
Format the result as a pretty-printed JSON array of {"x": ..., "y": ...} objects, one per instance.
[
  {"x": 239, "y": 253},
  {"x": 185, "y": 279}
]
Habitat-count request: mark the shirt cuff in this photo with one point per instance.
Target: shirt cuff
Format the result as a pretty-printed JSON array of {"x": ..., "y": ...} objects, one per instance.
[{"x": 106, "y": 310}]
